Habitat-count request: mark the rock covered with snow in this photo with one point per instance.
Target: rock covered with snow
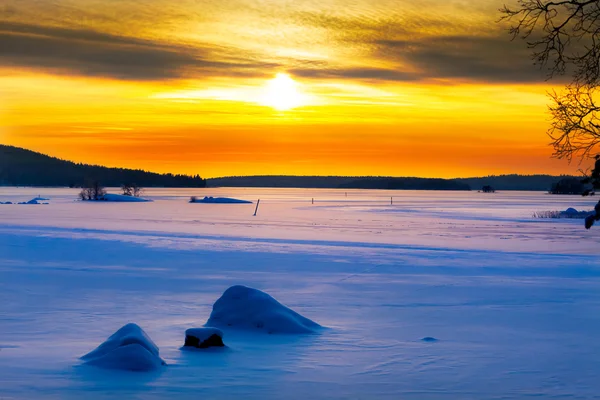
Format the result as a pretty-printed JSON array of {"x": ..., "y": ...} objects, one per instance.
[
  {"x": 123, "y": 198},
  {"x": 37, "y": 200},
  {"x": 219, "y": 200},
  {"x": 573, "y": 213},
  {"x": 129, "y": 348},
  {"x": 241, "y": 307},
  {"x": 203, "y": 338}
]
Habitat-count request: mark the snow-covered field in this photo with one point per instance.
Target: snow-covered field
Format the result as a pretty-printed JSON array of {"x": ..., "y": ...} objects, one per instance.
[{"x": 513, "y": 302}]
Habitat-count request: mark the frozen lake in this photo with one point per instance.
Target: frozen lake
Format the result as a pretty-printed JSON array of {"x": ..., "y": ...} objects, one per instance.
[{"x": 513, "y": 301}]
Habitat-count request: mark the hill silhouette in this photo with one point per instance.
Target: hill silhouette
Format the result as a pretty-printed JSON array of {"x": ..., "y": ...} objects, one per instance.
[{"x": 21, "y": 167}]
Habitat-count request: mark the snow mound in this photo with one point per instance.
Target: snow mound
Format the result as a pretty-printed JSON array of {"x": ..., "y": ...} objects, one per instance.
[
  {"x": 7, "y": 202},
  {"x": 203, "y": 338},
  {"x": 40, "y": 199},
  {"x": 129, "y": 348},
  {"x": 32, "y": 201},
  {"x": 573, "y": 213},
  {"x": 219, "y": 200},
  {"x": 123, "y": 198},
  {"x": 246, "y": 308}
]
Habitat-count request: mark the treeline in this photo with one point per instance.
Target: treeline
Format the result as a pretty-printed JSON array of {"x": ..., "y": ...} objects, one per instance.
[
  {"x": 497, "y": 182},
  {"x": 406, "y": 184},
  {"x": 21, "y": 167},
  {"x": 338, "y": 182},
  {"x": 281, "y": 181},
  {"x": 514, "y": 182}
]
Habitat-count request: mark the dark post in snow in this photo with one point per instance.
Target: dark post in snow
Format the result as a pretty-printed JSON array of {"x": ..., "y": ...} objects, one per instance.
[
  {"x": 391, "y": 201},
  {"x": 313, "y": 201},
  {"x": 256, "y": 209}
]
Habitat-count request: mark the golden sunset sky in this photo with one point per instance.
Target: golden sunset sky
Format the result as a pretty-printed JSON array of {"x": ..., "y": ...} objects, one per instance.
[{"x": 241, "y": 87}]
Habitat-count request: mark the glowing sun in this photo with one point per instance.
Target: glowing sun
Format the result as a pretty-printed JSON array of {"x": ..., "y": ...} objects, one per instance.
[{"x": 282, "y": 93}]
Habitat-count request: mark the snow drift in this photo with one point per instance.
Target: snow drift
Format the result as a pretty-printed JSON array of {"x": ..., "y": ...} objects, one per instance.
[
  {"x": 123, "y": 198},
  {"x": 574, "y": 213},
  {"x": 203, "y": 338},
  {"x": 129, "y": 348},
  {"x": 242, "y": 307},
  {"x": 219, "y": 200},
  {"x": 36, "y": 200}
]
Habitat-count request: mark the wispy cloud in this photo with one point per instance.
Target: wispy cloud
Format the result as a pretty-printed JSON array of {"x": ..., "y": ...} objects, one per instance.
[
  {"x": 88, "y": 52},
  {"x": 478, "y": 58},
  {"x": 359, "y": 73}
]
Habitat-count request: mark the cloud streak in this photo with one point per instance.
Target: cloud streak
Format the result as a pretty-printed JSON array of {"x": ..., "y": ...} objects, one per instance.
[
  {"x": 493, "y": 59},
  {"x": 87, "y": 52}
]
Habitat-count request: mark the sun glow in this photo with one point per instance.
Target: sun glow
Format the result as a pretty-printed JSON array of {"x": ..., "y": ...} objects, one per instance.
[{"x": 282, "y": 93}]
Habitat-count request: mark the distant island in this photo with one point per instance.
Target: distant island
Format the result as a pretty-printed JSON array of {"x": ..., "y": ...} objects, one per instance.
[{"x": 22, "y": 167}]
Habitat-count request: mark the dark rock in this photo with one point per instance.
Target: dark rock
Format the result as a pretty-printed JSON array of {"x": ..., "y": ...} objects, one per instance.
[
  {"x": 212, "y": 341},
  {"x": 203, "y": 338}
]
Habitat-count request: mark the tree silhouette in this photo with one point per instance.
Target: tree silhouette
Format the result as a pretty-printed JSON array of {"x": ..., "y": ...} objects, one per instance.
[
  {"x": 568, "y": 186},
  {"x": 131, "y": 189},
  {"x": 564, "y": 36},
  {"x": 92, "y": 191}
]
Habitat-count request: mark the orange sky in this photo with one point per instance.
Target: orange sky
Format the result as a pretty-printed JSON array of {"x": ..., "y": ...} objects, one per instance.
[{"x": 240, "y": 87}]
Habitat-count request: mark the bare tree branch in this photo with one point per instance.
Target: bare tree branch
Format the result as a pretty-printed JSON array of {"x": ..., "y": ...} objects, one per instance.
[{"x": 564, "y": 36}]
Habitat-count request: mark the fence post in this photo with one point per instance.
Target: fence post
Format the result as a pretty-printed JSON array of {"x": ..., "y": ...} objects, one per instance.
[{"x": 256, "y": 209}]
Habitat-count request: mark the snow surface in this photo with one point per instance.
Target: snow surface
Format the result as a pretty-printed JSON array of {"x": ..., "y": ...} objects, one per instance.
[
  {"x": 513, "y": 301},
  {"x": 241, "y": 307}
]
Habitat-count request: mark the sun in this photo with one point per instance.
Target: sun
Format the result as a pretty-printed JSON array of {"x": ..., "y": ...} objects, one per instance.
[{"x": 282, "y": 93}]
